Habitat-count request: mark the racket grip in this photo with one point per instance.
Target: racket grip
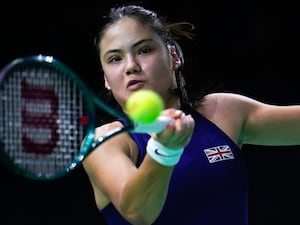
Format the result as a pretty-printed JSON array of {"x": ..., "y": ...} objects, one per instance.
[{"x": 156, "y": 127}]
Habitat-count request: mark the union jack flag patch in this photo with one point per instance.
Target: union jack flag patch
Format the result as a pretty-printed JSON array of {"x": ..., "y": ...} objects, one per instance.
[{"x": 218, "y": 153}]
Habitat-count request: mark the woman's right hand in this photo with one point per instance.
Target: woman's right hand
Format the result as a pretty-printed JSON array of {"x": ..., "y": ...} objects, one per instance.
[{"x": 177, "y": 134}]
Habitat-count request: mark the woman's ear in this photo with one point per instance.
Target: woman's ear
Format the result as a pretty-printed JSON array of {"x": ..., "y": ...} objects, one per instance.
[
  {"x": 106, "y": 83},
  {"x": 175, "y": 58}
]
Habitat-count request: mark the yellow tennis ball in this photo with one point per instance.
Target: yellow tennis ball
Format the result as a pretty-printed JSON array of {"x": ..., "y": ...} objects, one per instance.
[{"x": 144, "y": 106}]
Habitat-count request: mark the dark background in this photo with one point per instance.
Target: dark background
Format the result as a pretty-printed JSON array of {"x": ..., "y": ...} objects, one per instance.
[{"x": 252, "y": 47}]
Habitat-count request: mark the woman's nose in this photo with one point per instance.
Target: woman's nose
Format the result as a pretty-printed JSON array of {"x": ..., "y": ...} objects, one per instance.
[{"x": 132, "y": 66}]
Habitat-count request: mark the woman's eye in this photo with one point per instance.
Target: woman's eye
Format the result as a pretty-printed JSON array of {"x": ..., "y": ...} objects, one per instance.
[
  {"x": 145, "y": 50},
  {"x": 114, "y": 59}
]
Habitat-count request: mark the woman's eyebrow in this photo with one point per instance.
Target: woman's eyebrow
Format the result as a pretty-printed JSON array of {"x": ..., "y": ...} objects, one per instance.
[{"x": 134, "y": 45}]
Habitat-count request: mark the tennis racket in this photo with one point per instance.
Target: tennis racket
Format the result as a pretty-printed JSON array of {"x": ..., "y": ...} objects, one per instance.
[{"x": 45, "y": 112}]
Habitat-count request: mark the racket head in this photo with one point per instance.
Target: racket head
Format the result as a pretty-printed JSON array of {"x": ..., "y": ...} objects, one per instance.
[{"x": 45, "y": 112}]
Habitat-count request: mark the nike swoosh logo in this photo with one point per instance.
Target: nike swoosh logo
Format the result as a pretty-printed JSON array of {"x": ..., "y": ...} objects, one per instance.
[{"x": 158, "y": 153}]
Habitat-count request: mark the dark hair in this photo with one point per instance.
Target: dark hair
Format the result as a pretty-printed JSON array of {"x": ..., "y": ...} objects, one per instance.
[{"x": 170, "y": 33}]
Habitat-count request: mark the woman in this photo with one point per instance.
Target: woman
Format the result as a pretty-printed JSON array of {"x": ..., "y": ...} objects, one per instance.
[{"x": 206, "y": 180}]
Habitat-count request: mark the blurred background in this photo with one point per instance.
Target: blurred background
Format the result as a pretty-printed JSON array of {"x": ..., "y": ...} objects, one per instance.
[{"x": 251, "y": 47}]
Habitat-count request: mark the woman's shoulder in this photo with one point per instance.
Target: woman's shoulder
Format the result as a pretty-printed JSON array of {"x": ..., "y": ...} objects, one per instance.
[
  {"x": 111, "y": 127},
  {"x": 218, "y": 100},
  {"x": 211, "y": 103},
  {"x": 227, "y": 110},
  {"x": 107, "y": 127},
  {"x": 224, "y": 95}
]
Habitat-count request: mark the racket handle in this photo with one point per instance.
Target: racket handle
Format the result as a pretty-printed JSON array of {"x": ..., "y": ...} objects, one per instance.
[{"x": 156, "y": 127}]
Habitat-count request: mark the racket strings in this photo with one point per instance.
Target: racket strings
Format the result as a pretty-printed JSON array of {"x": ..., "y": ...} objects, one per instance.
[{"x": 40, "y": 127}]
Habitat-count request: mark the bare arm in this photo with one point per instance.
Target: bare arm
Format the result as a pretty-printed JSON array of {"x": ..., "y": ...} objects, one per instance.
[
  {"x": 248, "y": 121},
  {"x": 273, "y": 125},
  {"x": 138, "y": 193}
]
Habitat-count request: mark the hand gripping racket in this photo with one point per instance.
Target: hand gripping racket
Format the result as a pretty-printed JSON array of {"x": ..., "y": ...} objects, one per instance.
[{"x": 45, "y": 112}]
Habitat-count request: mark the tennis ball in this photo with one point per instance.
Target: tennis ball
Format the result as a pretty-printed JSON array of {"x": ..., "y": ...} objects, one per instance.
[{"x": 144, "y": 106}]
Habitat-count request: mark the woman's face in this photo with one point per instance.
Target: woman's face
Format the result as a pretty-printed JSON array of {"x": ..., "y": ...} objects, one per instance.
[{"x": 134, "y": 57}]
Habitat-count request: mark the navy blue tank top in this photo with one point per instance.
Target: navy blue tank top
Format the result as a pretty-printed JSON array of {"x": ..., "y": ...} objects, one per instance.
[{"x": 209, "y": 185}]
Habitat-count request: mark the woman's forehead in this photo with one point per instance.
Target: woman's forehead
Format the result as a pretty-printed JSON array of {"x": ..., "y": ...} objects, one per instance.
[
  {"x": 128, "y": 31},
  {"x": 130, "y": 25}
]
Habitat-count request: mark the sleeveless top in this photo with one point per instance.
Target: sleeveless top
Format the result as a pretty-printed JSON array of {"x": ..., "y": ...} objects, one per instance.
[{"x": 209, "y": 185}]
